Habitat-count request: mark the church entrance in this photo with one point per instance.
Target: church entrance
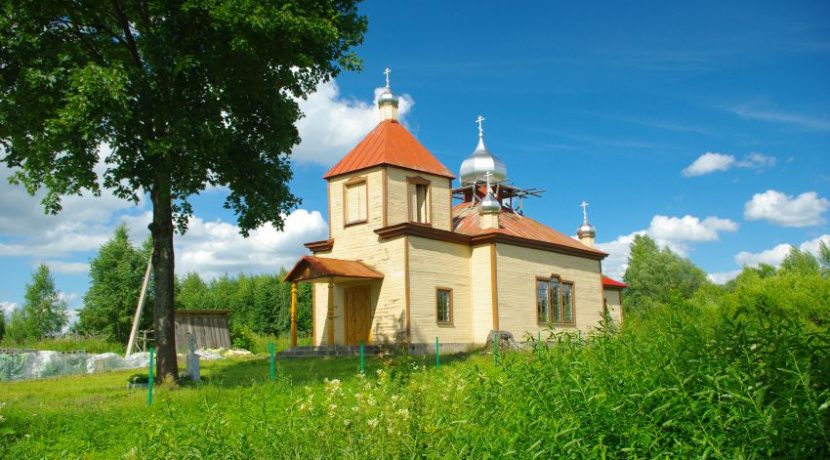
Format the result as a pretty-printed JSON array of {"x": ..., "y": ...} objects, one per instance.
[{"x": 357, "y": 314}]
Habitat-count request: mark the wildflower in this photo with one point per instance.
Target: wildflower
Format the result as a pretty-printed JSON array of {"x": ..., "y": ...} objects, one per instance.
[
  {"x": 373, "y": 422},
  {"x": 347, "y": 422},
  {"x": 403, "y": 413}
]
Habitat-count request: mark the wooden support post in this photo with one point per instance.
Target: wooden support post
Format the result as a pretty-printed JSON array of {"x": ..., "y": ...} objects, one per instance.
[
  {"x": 139, "y": 308},
  {"x": 293, "y": 314},
  {"x": 330, "y": 316}
]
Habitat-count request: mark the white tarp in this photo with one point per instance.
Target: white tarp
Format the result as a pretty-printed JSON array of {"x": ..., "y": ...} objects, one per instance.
[{"x": 25, "y": 365}]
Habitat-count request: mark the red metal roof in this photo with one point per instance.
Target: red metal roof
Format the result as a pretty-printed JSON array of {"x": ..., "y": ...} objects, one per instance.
[
  {"x": 466, "y": 221},
  {"x": 310, "y": 267},
  {"x": 609, "y": 283},
  {"x": 389, "y": 144}
]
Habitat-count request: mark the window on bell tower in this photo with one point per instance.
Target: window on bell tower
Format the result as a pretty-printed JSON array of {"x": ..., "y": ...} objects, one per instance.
[{"x": 419, "y": 200}]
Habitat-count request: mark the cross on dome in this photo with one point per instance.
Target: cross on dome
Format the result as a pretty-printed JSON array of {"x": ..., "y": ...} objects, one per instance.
[
  {"x": 387, "y": 72},
  {"x": 584, "y": 206},
  {"x": 480, "y": 121}
]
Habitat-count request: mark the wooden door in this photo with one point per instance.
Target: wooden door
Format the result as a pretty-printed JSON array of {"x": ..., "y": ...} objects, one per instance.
[{"x": 357, "y": 315}]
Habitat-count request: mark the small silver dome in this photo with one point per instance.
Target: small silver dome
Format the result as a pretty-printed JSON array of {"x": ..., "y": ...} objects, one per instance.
[
  {"x": 586, "y": 230},
  {"x": 490, "y": 204},
  {"x": 387, "y": 96},
  {"x": 476, "y": 166}
]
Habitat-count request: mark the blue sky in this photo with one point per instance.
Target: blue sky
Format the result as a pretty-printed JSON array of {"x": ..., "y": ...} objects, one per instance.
[{"x": 705, "y": 125}]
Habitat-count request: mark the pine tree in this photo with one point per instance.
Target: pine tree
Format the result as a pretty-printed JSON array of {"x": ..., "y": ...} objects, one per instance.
[{"x": 43, "y": 313}]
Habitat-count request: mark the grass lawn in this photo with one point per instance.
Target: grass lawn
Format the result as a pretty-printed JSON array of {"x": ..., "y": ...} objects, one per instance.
[{"x": 97, "y": 416}]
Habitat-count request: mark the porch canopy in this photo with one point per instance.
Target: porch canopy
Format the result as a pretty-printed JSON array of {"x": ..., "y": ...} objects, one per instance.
[
  {"x": 324, "y": 270},
  {"x": 320, "y": 269}
]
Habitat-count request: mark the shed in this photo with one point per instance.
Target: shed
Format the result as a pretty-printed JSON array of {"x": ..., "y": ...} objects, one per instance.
[{"x": 210, "y": 327}]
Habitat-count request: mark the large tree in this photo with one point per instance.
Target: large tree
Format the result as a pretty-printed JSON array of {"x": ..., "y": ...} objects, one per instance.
[
  {"x": 187, "y": 93},
  {"x": 43, "y": 313},
  {"x": 116, "y": 274}
]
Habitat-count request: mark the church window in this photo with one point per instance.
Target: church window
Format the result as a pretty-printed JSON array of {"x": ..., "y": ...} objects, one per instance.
[
  {"x": 542, "y": 300},
  {"x": 419, "y": 200},
  {"x": 355, "y": 205},
  {"x": 567, "y": 303},
  {"x": 554, "y": 301},
  {"x": 443, "y": 300}
]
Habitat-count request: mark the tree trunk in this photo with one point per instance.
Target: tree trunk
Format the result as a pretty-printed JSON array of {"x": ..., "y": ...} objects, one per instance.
[{"x": 163, "y": 276}]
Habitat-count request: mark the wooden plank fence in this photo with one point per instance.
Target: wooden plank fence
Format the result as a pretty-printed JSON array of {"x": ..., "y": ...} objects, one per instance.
[{"x": 210, "y": 327}]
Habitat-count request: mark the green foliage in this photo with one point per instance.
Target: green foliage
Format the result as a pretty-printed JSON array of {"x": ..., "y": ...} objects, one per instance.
[
  {"x": 257, "y": 304},
  {"x": 116, "y": 274},
  {"x": 2, "y": 325},
  {"x": 799, "y": 263},
  {"x": 824, "y": 257},
  {"x": 187, "y": 94},
  {"x": 653, "y": 274},
  {"x": 67, "y": 343},
  {"x": 43, "y": 313},
  {"x": 789, "y": 293}
]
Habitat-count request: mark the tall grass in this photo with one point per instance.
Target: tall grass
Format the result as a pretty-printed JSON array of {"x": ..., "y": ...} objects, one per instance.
[{"x": 683, "y": 382}]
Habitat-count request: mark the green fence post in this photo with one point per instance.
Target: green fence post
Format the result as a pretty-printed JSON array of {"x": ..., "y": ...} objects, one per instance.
[
  {"x": 496, "y": 349},
  {"x": 437, "y": 354},
  {"x": 150, "y": 379},
  {"x": 362, "y": 359},
  {"x": 272, "y": 352}
]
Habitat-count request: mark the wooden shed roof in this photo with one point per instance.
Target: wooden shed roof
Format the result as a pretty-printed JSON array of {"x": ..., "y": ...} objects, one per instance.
[
  {"x": 389, "y": 144},
  {"x": 310, "y": 268},
  {"x": 609, "y": 283}
]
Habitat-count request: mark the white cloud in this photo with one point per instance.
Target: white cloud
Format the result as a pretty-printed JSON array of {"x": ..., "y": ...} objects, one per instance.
[
  {"x": 69, "y": 297},
  {"x": 777, "y": 254},
  {"x": 812, "y": 246},
  {"x": 82, "y": 225},
  {"x": 711, "y": 162},
  {"x": 675, "y": 233},
  {"x": 757, "y": 160},
  {"x": 332, "y": 124},
  {"x": 689, "y": 228},
  {"x": 214, "y": 248},
  {"x": 772, "y": 256},
  {"x": 723, "y": 277},
  {"x": 7, "y": 308},
  {"x": 786, "y": 210},
  {"x": 68, "y": 268}
]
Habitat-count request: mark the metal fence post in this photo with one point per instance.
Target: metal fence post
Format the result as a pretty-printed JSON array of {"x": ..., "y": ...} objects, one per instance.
[
  {"x": 362, "y": 359},
  {"x": 272, "y": 352},
  {"x": 150, "y": 378},
  {"x": 437, "y": 354}
]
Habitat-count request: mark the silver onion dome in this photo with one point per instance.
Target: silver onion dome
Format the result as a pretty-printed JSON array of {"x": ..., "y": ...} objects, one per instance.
[
  {"x": 490, "y": 203},
  {"x": 481, "y": 162},
  {"x": 586, "y": 229},
  {"x": 387, "y": 97}
]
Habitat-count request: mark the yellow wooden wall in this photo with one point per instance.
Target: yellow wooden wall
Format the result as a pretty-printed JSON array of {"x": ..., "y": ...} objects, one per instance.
[
  {"x": 517, "y": 271},
  {"x": 614, "y": 304},
  {"x": 434, "y": 264},
  {"x": 481, "y": 293},
  {"x": 398, "y": 191}
]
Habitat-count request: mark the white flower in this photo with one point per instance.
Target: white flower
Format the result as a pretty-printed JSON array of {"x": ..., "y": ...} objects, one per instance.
[{"x": 373, "y": 422}]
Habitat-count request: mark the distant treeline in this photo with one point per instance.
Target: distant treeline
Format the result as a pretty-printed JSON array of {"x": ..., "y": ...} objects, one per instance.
[{"x": 257, "y": 303}]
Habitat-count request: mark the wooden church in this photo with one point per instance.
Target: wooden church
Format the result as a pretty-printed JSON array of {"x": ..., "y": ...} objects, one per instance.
[{"x": 402, "y": 264}]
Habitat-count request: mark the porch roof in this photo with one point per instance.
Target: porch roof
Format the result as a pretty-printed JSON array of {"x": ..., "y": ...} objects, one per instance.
[{"x": 310, "y": 268}]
